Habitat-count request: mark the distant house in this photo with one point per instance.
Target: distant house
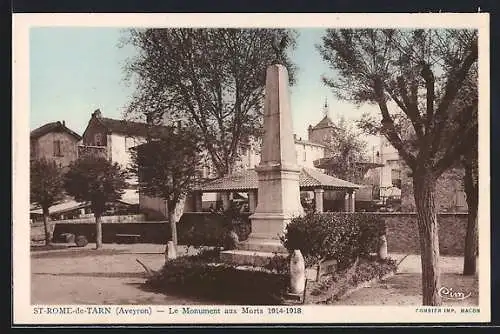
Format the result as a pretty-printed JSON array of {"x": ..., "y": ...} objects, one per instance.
[
  {"x": 113, "y": 139},
  {"x": 54, "y": 141}
]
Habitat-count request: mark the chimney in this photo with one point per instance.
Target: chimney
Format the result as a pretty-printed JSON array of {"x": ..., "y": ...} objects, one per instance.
[
  {"x": 97, "y": 113},
  {"x": 64, "y": 123}
]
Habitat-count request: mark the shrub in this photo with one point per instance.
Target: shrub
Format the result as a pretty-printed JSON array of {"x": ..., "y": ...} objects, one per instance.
[{"x": 340, "y": 236}]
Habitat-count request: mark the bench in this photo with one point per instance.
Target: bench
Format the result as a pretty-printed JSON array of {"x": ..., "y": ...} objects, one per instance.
[{"x": 131, "y": 238}]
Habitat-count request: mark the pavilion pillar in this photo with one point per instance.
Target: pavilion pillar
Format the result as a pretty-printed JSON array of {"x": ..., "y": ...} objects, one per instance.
[
  {"x": 198, "y": 206},
  {"x": 352, "y": 201},
  {"x": 318, "y": 199},
  {"x": 252, "y": 200},
  {"x": 225, "y": 201},
  {"x": 346, "y": 202}
]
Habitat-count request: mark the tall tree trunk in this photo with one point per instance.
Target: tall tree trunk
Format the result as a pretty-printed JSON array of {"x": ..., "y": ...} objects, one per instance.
[
  {"x": 46, "y": 226},
  {"x": 173, "y": 226},
  {"x": 98, "y": 226},
  {"x": 424, "y": 186},
  {"x": 471, "y": 236},
  {"x": 175, "y": 211}
]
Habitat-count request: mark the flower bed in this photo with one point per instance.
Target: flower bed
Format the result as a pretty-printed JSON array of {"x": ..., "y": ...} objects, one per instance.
[
  {"x": 203, "y": 277},
  {"x": 334, "y": 287}
]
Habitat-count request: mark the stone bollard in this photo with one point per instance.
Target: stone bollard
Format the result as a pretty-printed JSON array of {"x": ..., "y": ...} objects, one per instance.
[
  {"x": 297, "y": 272},
  {"x": 382, "y": 251},
  {"x": 171, "y": 252}
]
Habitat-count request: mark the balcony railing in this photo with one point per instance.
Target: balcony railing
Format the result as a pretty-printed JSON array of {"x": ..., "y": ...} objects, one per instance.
[{"x": 94, "y": 151}]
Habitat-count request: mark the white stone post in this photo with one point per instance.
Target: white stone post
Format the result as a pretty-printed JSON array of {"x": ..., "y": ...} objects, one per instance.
[
  {"x": 171, "y": 251},
  {"x": 252, "y": 200},
  {"x": 297, "y": 272},
  {"x": 382, "y": 251},
  {"x": 318, "y": 198}
]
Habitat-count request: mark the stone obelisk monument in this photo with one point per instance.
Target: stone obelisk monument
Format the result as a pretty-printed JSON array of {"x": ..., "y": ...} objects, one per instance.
[{"x": 278, "y": 173}]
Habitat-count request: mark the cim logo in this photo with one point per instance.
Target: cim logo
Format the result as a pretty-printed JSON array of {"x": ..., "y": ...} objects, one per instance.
[{"x": 449, "y": 293}]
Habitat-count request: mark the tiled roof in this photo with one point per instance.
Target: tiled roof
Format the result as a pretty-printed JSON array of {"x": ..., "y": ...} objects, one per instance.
[
  {"x": 135, "y": 129},
  {"x": 248, "y": 180},
  {"x": 63, "y": 207},
  {"x": 52, "y": 127},
  {"x": 308, "y": 142},
  {"x": 326, "y": 122},
  {"x": 130, "y": 196}
]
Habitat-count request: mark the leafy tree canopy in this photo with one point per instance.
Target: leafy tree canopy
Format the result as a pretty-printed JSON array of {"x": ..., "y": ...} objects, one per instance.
[
  {"x": 169, "y": 166},
  {"x": 212, "y": 78},
  {"x": 46, "y": 183},
  {"x": 423, "y": 78},
  {"x": 96, "y": 180}
]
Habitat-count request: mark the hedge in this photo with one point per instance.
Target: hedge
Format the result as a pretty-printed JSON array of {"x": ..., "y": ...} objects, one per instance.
[{"x": 339, "y": 236}]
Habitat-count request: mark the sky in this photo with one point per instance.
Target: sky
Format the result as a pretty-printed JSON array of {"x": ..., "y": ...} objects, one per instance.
[{"x": 75, "y": 70}]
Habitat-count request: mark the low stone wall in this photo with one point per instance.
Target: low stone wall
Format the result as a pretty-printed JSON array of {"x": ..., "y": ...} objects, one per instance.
[
  {"x": 402, "y": 233},
  {"x": 402, "y": 230},
  {"x": 150, "y": 232},
  {"x": 104, "y": 219}
]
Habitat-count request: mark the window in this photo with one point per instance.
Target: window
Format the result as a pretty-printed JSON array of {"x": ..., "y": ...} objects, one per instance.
[
  {"x": 396, "y": 178},
  {"x": 305, "y": 156},
  {"x": 57, "y": 148},
  {"x": 98, "y": 139}
]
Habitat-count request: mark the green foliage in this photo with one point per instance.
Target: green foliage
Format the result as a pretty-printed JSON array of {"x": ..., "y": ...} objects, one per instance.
[
  {"x": 339, "y": 236},
  {"x": 279, "y": 264},
  {"x": 95, "y": 180},
  {"x": 347, "y": 149},
  {"x": 198, "y": 276},
  {"x": 430, "y": 76},
  {"x": 167, "y": 167},
  {"x": 212, "y": 78},
  {"x": 46, "y": 183}
]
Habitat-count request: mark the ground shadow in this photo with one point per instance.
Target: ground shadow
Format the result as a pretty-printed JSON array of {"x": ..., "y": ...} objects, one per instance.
[
  {"x": 77, "y": 252},
  {"x": 145, "y": 287},
  {"x": 40, "y": 248},
  {"x": 101, "y": 275}
]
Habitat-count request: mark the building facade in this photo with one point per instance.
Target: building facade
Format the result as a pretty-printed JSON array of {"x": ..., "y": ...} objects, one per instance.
[
  {"x": 56, "y": 142},
  {"x": 396, "y": 182},
  {"x": 113, "y": 137}
]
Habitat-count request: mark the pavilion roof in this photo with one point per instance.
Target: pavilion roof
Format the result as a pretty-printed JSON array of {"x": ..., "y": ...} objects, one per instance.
[{"x": 309, "y": 179}]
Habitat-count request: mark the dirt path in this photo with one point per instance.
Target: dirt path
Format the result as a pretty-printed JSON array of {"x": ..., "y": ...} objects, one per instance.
[
  {"x": 107, "y": 276},
  {"x": 112, "y": 276},
  {"x": 404, "y": 288}
]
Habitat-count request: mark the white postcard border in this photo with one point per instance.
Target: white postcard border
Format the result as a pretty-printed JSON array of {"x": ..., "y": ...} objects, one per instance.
[{"x": 24, "y": 312}]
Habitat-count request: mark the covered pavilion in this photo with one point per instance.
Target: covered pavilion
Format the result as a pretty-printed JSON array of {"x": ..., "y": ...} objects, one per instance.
[{"x": 247, "y": 181}]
